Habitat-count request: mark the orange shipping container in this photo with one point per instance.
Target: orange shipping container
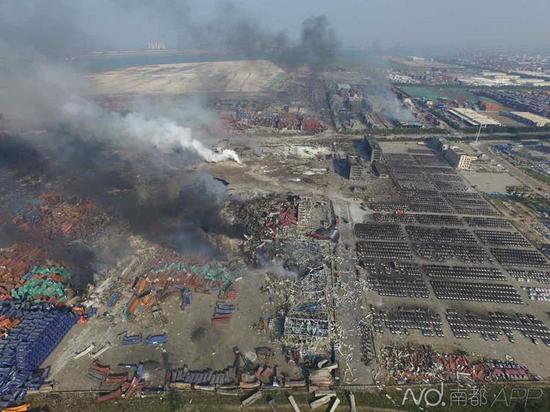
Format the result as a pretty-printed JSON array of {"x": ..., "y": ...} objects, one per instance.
[
  {"x": 132, "y": 305},
  {"x": 148, "y": 300},
  {"x": 491, "y": 107},
  {"x": 21, "y": 408},
  {"x": 141, "y": 285}
]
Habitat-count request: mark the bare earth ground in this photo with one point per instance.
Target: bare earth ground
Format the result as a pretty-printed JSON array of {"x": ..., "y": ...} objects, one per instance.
[
  {"x": 192, "y": 339},
  {"x": 230, "y": 76}
]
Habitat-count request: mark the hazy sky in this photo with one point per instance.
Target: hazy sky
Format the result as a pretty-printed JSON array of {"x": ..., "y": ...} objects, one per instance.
[
  {"x": 424, "y": 22},
  {"x": 76, "y": 24}
]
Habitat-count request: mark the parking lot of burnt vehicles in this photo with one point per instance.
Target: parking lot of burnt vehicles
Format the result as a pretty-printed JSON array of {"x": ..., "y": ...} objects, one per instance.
[{"x": 440, "y": 263}]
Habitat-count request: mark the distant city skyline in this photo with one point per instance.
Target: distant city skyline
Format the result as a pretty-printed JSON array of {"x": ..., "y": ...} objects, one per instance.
[{"x": 380, "y": 24}]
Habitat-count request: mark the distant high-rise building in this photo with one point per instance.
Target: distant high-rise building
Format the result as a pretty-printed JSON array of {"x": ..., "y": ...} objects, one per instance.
[{"x": 156, "y": 45}]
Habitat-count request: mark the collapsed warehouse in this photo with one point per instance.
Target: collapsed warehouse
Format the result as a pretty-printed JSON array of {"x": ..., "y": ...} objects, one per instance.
[
  {"x": 364, "y": 107},
  {"x": 293, "y": 240},
  {"x": 307, "y": 325},
  {"x": 257, "y": 112},
  {"x": 280, "y": 120}
]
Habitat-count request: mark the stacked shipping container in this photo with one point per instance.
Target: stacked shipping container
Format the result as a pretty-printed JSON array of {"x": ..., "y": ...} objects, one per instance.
[{"x": 27, "y": 345}]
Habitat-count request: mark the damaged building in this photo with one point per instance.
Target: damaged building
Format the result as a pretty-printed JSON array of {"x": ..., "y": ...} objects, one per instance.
[{"x": 307, "y": 325}]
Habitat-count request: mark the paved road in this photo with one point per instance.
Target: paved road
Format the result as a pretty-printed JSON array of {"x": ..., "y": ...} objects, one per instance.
[
  {"x": 535, "y": 185},
  {"x": 350, "y": 302}
]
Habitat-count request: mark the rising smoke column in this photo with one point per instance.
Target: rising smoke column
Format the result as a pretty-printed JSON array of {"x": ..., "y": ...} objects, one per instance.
[
  {"x": 38, "y": 93},
  {"x": 318, "y": 42},
  {"x": 380, "y": 94},
  {"x": 134, "y": 128}
]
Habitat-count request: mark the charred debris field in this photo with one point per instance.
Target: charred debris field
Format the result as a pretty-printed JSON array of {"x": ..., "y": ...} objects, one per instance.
[{"x": 278, "y": 233}]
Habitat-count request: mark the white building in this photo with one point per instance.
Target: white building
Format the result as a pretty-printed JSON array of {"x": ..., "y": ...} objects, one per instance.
[
  {"x": 473, "y": 118},
  {"x": 458, "y": 158},
  {"x": 529, "y": 119}
]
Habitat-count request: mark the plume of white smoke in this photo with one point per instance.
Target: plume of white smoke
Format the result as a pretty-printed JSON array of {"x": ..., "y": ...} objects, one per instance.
[
  {"x": 382, "y": 99},
  {"x": 380, "y": 95},
  {"x": 41, "y": 93},
  {"x": 135, "y": 128}
]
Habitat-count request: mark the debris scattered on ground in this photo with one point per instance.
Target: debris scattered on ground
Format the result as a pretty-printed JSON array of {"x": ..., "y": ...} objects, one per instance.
[
  {"x": 424, "y": 365},
  {"x": 54, "y": 215}
]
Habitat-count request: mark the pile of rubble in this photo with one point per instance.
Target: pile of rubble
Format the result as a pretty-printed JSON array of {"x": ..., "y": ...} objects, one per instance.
[
  {"x": 205, "y": 275},
  {"x": 44, "y": 283},
  {"x": 424, "y": 365},
  {"x": 320, "y": 378},
  {"x": 279, "y": 238},
  {"x": 418, "y": 365},
  {"x": 255, "y": 378},
  {"x": 283, "y": 120},
  {"x": 261, "y": 218},
  {"x": 128, "y": 384},
  {"x": 307, "y": 323},
  {"x": 169, "y": 274},
  {"x": 14, "y": 263},
  {"x": 300, "y": 304},
  {"x": 285, "y": 214},
  {"x": 367, "y": 343},
  {"x": 143, "y": 296},
  {"x": 277, "y": 233},
  {"x": 72, "y": 218}
]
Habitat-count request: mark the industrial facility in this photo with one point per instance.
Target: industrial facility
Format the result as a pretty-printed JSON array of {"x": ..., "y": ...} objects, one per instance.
[{"x": 203, "y": 211}]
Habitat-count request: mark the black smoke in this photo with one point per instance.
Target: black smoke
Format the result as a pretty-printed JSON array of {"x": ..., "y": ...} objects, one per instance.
[
  {"x": 157, "y": 196},
  {"x": 151, "y": 191},
  {"x": 78, "y": 27},
  {"x": 318, "y": 42}
]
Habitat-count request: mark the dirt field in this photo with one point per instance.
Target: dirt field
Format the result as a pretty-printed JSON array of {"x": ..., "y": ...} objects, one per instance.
[
  {"x": 231, "y": 76},
  {"x": 490, "y": 182},
  {"x": 192, "y": 339}
]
